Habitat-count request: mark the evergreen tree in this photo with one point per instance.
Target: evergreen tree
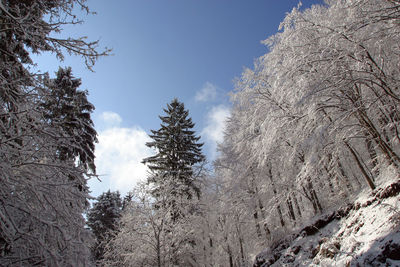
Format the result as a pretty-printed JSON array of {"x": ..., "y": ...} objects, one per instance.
[
  {"x": 66, "y": 108},
  {"x": 43, "y": 192},
  {"x": 178, "y": 150},
  {"x": 103, "y": 219}
]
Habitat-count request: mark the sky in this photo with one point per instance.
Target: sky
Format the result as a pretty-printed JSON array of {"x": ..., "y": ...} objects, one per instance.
[{"x": 162, "y": 49}]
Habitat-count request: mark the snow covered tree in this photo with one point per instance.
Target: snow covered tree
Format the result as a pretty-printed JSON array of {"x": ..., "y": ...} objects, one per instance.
[
  {"x": 313, "y": 123},
  {"x": 146, "y": 237},
  {"x": 142, "y": 237},
  {"x": 178, "y": 151},
  {"x": 103, "y": 219},
  {"x": 68, "y": 109},
  {"x": 42, "y": 194}
]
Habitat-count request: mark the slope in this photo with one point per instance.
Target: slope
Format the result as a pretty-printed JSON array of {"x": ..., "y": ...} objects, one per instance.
[{"x": 363, "y": 233}]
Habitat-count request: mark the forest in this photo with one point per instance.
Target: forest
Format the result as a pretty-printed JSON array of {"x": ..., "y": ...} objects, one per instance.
[{"x": 313, "y": 124}]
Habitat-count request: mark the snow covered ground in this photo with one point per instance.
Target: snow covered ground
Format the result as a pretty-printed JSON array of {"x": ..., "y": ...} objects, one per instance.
[{"x": 365, "y": 233}]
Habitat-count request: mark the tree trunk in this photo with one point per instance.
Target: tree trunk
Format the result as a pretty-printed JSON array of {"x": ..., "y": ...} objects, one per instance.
[
  {"x": 391, "y": 156},
  {"x": 158, "y": 252},
  {"x": 278, "y": 207},
  {"x": 257, "y": 224},
  {"x": 296, "y": 204},
  {"x": 312, "y": 196},
  {"x": 290, "y": 209},
  {"x": 344, "y": 175},
  {"x": 315, "y": 197},
  {"x": 372, "y": 154},
  {"x": 230, "y": 257},
  {"x": 266, "y": 229},
  {"x": 361, "y": 167},
  {"x": 253, "y": 192}
]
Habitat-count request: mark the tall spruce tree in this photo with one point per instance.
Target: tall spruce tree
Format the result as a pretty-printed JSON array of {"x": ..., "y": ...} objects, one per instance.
[
  {"x": 67, "y": 109},
  {"x": 178, "y": 150}
]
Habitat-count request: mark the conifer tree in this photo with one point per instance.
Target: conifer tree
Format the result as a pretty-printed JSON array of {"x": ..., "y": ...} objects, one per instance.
[
  {"x": 67, "y": 109},
  {"x": 103, "y": 219},
  {"x": 43, "y": 192},
  {"x": 178, "y": 150}
]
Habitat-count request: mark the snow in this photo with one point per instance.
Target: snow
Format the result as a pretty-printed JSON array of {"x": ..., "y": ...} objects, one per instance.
[
  {"x": 369, "y": 235},
  {"x": 363, "y": 234}
]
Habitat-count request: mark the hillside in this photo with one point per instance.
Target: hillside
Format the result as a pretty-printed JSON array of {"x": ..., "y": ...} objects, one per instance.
[{"x": 363, "y": 233}]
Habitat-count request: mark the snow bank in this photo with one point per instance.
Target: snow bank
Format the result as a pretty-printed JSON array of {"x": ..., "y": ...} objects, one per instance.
[{"x": 366, "y": 233}]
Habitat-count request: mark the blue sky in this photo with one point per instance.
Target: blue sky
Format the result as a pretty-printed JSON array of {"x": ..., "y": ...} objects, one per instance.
[{"x": 190, "y": 49}]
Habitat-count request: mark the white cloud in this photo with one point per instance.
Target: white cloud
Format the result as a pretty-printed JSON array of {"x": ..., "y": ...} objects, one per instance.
[
  {"x": 207, "y": 93},
  {"x": 214, "y": 130},
  {"x": 118, "y": 156},
  {"x": 109, "y": 119}
]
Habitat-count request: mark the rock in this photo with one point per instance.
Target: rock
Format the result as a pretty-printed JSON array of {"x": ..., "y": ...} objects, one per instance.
[
  {"x": 391, "y": 251},
  {"x": 389, "y": 191},
  {"x": 296, "y": 250},
  {"x": 315, "y": 251},
  {"x": 329, "y": 249}
]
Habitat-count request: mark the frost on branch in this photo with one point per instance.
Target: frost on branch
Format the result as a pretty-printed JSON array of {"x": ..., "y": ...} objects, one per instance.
[{"x": 43, "y": 190}]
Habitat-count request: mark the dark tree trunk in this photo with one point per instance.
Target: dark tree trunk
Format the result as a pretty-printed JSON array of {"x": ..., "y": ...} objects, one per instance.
[
  {"x": 361, "y": 167},
  {"x": 278, "y": 207},
  {"x": 290, "y": 209}
]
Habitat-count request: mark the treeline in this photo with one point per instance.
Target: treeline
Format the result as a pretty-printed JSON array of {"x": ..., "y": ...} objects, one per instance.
[
  {"x": 315, "y": 122},
  {"x": 312, "y": 124}
]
